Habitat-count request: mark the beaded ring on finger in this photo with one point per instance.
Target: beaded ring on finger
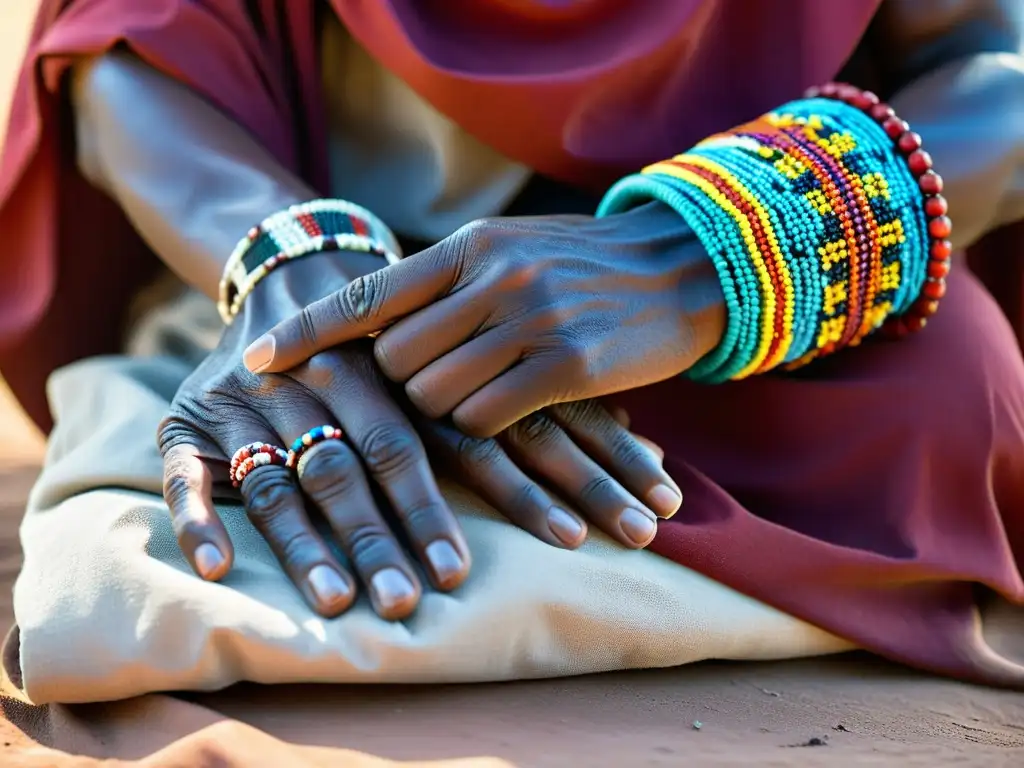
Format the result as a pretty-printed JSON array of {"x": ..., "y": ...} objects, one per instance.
[
  {"x": 253, "y": 455},
  {"x": 315, "y": 436}
]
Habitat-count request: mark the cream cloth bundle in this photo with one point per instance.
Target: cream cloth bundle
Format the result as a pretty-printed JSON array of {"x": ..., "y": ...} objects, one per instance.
[{"x": 108, "y": 608}]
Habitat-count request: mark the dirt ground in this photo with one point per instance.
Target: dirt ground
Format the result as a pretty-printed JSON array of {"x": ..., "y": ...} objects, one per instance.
[
  {"x": 21, "y": 445},
  {"x": 846, "y": 711}
]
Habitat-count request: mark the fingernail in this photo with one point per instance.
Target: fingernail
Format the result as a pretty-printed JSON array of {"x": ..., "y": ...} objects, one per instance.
[
  {"x": 209, "y": 560},
  {"x": 665, "y": 500},
  {"x": 445, "y": 560},
  {"x": 392, "y": 588},
  {"x": 327, "y": 584},
  {"x": 259, "y": 354},
  {"x": 566, "y": 527},
  {"x": 640, "y": 528}
]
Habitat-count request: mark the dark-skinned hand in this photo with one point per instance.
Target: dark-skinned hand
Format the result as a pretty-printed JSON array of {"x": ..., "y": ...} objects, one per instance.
[
  {"x": 509, "y": 316},
  {"x": 578, "y": 450}
]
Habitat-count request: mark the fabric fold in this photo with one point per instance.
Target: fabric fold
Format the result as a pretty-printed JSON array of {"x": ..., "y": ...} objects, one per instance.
[{"x": 108, "y": 608}]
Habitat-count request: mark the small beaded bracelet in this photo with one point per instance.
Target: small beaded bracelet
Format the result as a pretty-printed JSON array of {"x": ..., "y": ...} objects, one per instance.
[
  {"x": 313, "y": 227},
  {"x": 248, "y": 457},
  {"x": 940, "y": 226},
  {"x": 824, "y": 221}
]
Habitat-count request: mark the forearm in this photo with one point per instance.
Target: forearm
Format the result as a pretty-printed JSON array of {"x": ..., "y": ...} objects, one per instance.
[
  {"x": 191, "y": 181},
  {"x": 957, "y": 77}
]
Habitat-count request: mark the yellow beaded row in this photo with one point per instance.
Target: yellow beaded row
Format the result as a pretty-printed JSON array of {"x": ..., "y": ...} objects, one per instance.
[
  {"x": 760, "y": 269},
  {"x": 789, "y": 292}
]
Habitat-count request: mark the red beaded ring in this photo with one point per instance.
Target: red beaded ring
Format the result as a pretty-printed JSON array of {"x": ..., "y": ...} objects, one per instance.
[
  {"x": 935, "y": 206},
  {"x": 253, "y": 455}
]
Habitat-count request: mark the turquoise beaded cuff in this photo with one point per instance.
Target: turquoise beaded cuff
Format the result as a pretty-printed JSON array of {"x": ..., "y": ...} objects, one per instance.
[
  {"x": 313, "y": 227},
  {"x": 824, "y": 221}
]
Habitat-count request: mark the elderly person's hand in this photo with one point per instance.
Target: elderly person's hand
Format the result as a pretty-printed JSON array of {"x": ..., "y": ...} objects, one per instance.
[
  {"x": 578, "y": 450},
  {"x": 508, "y": 316}
]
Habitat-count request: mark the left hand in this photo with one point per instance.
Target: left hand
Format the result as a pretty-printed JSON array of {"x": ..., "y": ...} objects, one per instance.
[{"x": 508, "y": 316}]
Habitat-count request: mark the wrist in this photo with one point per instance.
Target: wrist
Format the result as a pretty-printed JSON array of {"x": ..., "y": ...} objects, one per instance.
[
  {"x": 697, "y": 286},
  {"x": 297, "y": 284}
]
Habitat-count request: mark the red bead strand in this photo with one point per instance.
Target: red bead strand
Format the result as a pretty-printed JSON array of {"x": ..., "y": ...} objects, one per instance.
[{"x": 909, "y": 144}]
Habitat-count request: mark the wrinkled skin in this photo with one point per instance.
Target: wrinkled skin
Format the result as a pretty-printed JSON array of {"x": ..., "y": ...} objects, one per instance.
[
  {"x": 577, "y": 450},
  {"x": 508, "y": 316}
]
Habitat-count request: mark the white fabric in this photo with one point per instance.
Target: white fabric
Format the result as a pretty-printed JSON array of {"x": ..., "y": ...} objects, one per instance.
[{"x": 108, "y": 608}]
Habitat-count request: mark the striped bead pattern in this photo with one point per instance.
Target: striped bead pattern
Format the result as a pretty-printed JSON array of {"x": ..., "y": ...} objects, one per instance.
[
  {"x": 313, "y": 227},
  {"x": 824, "y": 223},
  {"x": 306, "y": 441},
  {"x": 248, "y": 457}
]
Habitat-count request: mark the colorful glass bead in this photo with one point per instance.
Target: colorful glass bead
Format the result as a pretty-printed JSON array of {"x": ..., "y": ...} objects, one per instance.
[
  {"x": 825, "y": 223},
  {"x": 253, "y": 455},
  {"x": 313, "y": 437}
]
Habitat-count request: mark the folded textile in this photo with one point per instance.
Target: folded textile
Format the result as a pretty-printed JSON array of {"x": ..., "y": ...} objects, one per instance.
[{"x": 108, "y": 608}]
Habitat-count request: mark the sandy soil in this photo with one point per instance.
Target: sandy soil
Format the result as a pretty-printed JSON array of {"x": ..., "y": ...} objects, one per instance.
[
  {"x": 846, "y": 711},
  {"x": 21, "y": 444}
]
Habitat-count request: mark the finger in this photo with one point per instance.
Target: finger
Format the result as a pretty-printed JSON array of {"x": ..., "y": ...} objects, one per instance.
[
  {"x": 394, "y": 455},
  {"x": 364, "y": 306},
  {"x": 277, "y": 509},
  {"x": 330, "y": 473},
  {"x": 620, "y": 452},
  {"x": 188, "y": 491},
  {"x": 484, "y": 467},
  {"x": 412, "y": 343},
  {"x": 540, "y": 444},
  {"x": 440, "y": 387},
  {"x": 275, "y": 506},
  {"x": 522, "y": 390},
  {"x": 653, "y": 447},
  {"x": 620, "y": 414}
]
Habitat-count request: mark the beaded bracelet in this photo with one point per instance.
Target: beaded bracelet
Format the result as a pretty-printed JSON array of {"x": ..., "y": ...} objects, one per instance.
[
  {"x": 301, "y": 230},
  {"x": 824, "y": 221}
]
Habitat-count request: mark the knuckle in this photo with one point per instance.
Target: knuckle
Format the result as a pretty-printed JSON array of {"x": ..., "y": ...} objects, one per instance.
[
  {"x": 518, "y": 273},
  {"x": 268, "y": 493},
  {"x": 296, "y": 545},
  {"x": 427, "y": 400},
  {"x": 529, "y": 502},
  {"x": 553, "y": 317},
  {"x": 574, "y": 358},
  {"x": 534, "y": 431},
  {"x": 317, "y": 373},
  {"x": 582, "y": 412},
  {"x": 387, "y": 361},
  {"x": 389, "y": 449},
  {"x": 359, "y": 301},
  {"x": 329, "y": 470},
  {"x": 475, "y": 454},
  {"x": 307, "y": 326},
  {"x": 472, "y": 241},
  {"x": 178, "y": 486},
  {"x": 591, "y": 416},
  {"x": 173, "y": 432},
  {"x": 477, "y": 235},
  {"x": 369, "y": 544},
  {"x": 626, "y": 450},
  {"x": 425, "y": 519},
  {"x": 597, "y": 487}
]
